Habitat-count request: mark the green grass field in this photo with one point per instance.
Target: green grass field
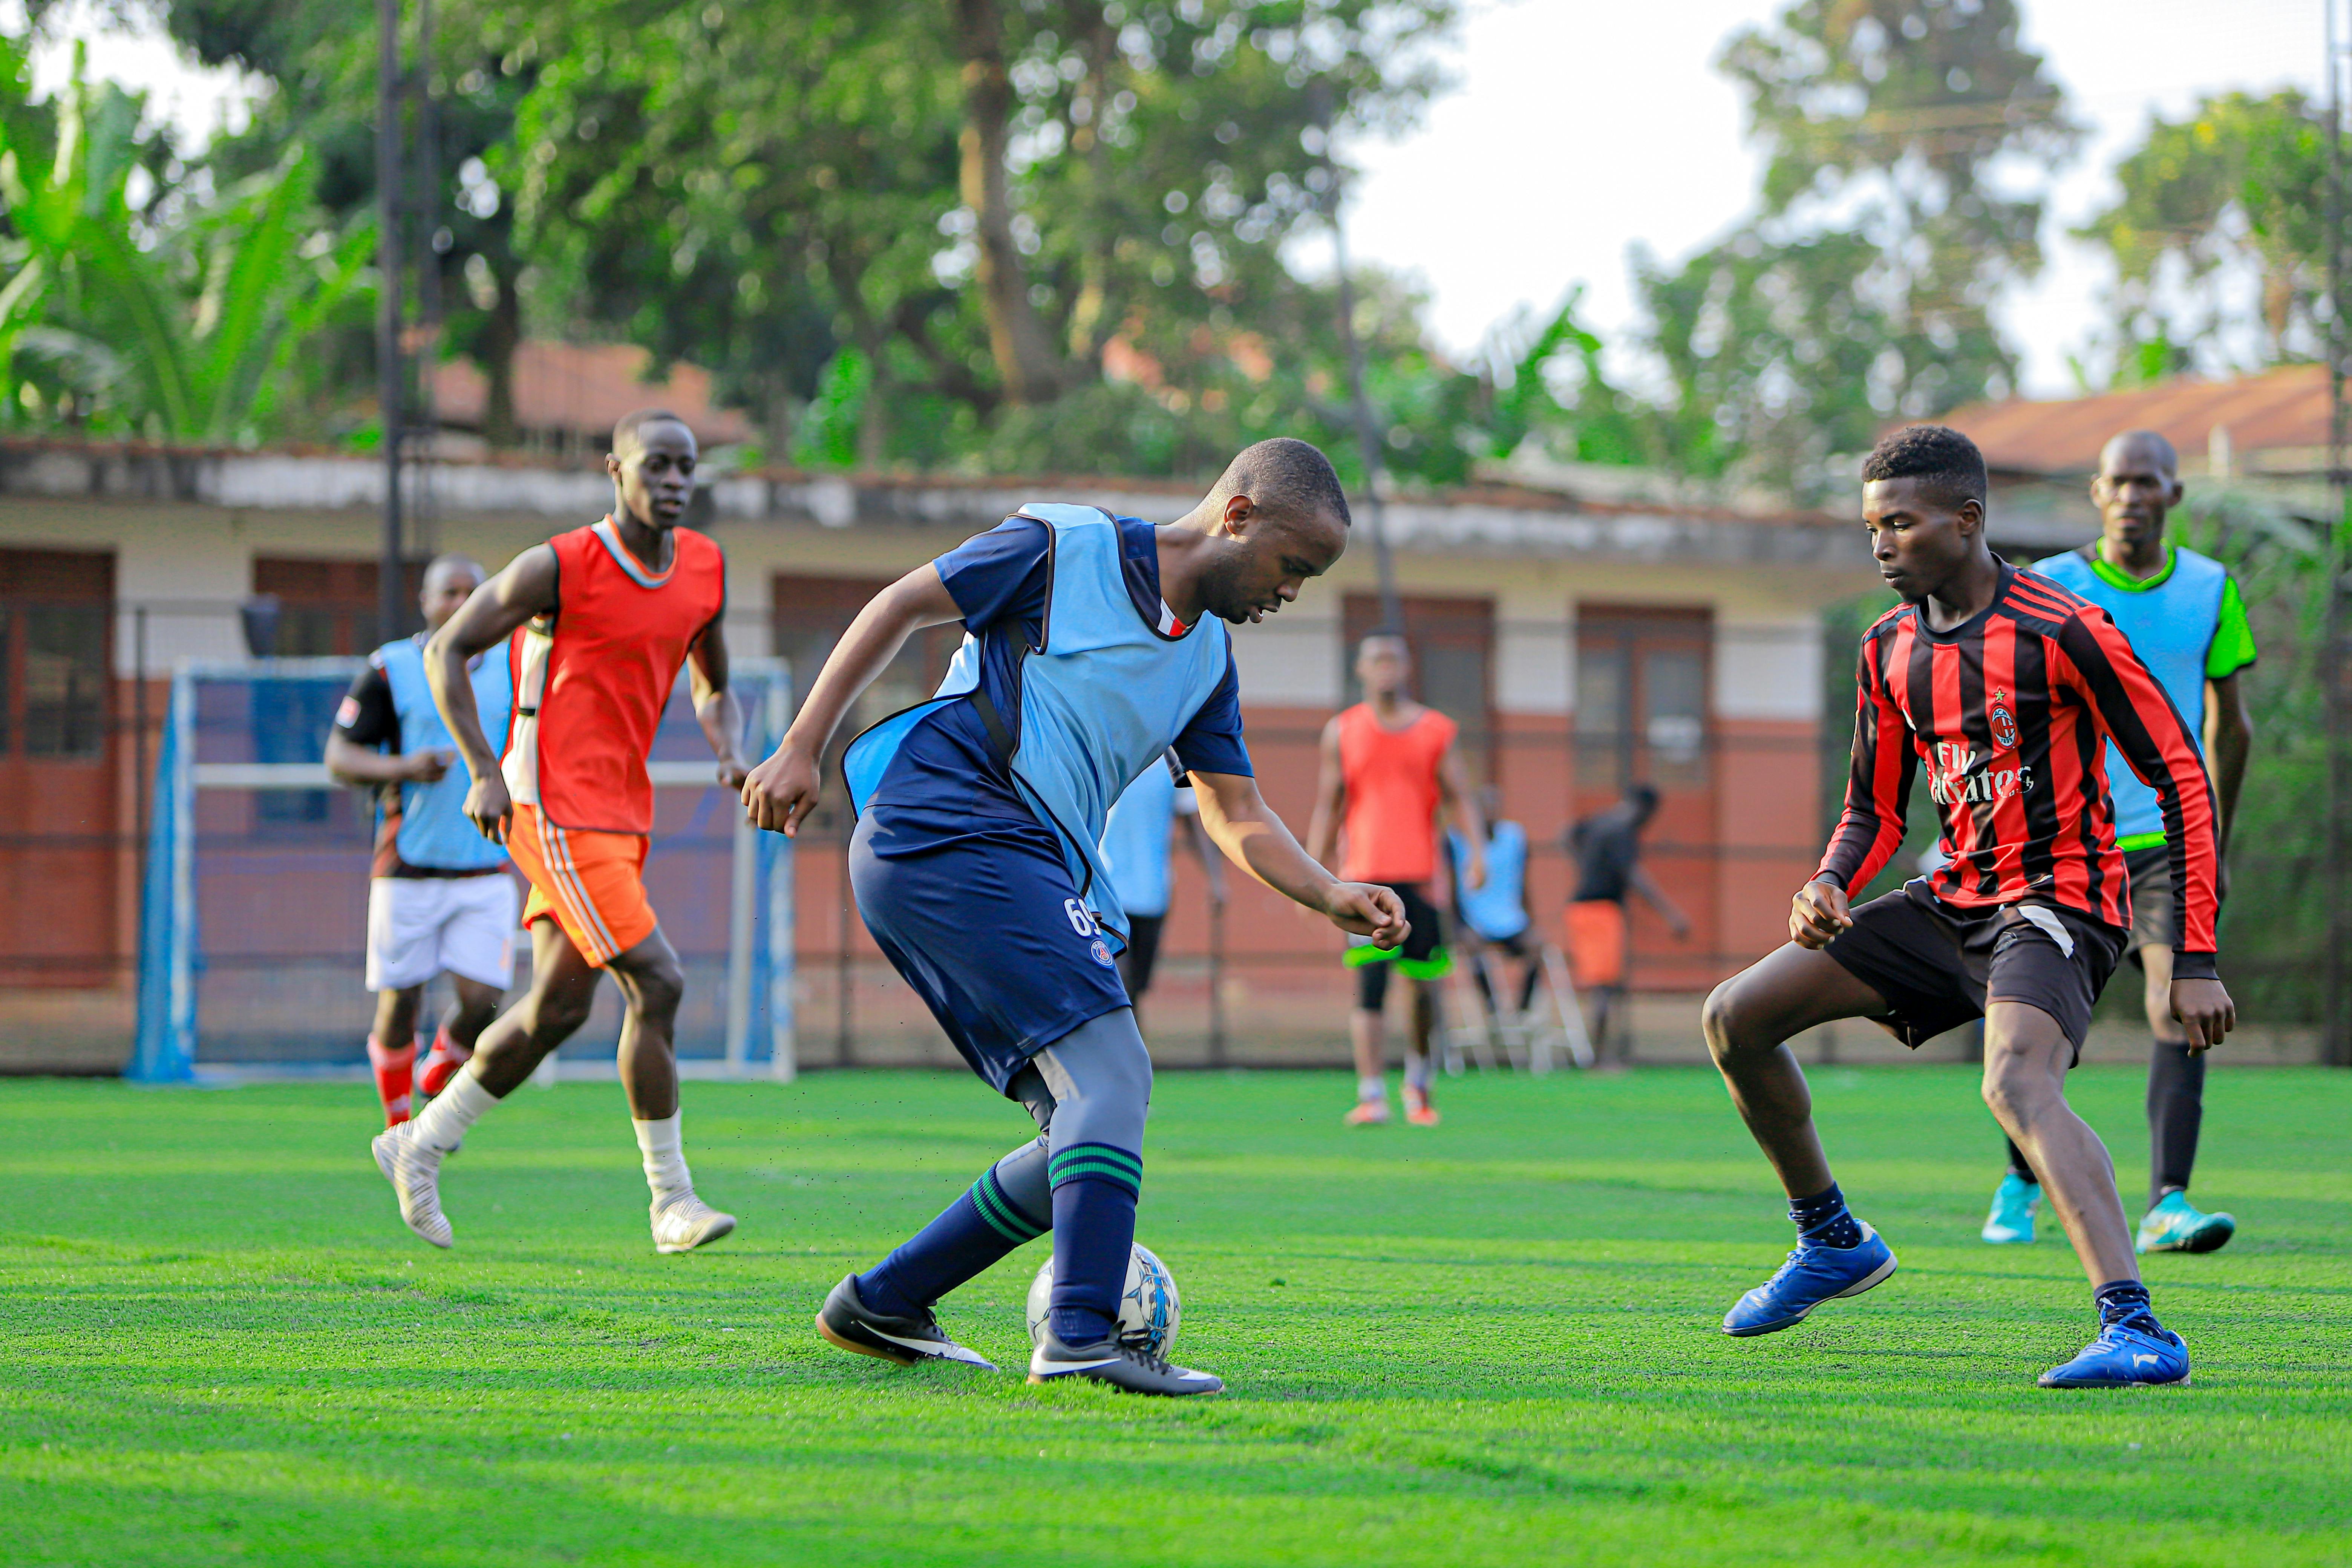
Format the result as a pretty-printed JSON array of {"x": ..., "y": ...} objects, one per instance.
[{"x": 1493, "y": 1342}]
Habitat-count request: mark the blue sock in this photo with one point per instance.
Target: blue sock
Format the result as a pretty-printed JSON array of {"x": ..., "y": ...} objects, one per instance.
[
  {"x": 1095, "y": 1190},
  {"x": 970, "y": 1234},
  {"x": 1821, "y": 1219},
  {"x": 2125, "y": 1301}
]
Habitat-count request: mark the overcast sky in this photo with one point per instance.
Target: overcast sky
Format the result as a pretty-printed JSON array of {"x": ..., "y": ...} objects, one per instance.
[{"x": 1578, "y": 128}]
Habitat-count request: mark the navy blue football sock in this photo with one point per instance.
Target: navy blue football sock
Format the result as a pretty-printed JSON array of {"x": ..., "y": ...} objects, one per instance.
[
  {"x": 2125, "y": 1301},
  {"x": 1821, "y": 1219},
  {"x": 1095, "y": 1190},
  {"x": 970, "y": 1234}
]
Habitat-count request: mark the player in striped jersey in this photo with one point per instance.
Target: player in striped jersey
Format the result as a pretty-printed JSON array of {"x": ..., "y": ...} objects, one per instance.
[{"x": 2007, "y": 688}]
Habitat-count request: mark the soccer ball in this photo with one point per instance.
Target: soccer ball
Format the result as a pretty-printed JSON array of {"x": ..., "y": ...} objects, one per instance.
[{"x": 1148, "y": 1310}]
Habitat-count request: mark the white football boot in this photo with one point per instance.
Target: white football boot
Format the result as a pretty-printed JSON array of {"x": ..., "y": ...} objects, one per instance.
[
  {"x": 414, "y": 1172},
  {"x": 686, "y": 1223}
]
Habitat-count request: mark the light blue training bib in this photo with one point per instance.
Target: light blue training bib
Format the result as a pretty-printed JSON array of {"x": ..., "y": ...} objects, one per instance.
[
  {"x": 2171, "y": 628},
  {"x": 434, "y": 832},
  {"x": 1101, "y": 701}
]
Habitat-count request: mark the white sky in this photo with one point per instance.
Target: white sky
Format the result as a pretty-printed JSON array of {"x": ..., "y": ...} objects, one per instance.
[{"x": 1580, "y": 127}]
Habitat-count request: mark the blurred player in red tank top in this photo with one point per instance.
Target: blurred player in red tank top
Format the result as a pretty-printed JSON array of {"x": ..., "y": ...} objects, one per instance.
[
  {"x": 601, "y": 618},
  {"x": 1389, "y": 768}
]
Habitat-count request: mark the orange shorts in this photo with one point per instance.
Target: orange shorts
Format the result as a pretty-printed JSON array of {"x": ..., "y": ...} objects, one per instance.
[
  {"x": 593, "y": 883},
  {"x": 1596, "y": 944}
]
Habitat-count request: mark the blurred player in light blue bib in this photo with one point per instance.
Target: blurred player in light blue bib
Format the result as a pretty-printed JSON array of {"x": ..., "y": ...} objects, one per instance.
[
  {"x": 439, "y": 899},
  {"x": 2187, "y": 622},
  {"x": 1496, "y": 912},
  {"x": 1139, "y": 839}
]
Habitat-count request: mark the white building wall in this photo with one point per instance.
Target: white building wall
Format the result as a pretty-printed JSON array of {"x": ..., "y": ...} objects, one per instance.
[
  {"x": 1290, "y": 660},
  {"x": 1535, "y": 651},
  {"x": 1767, "y": 669}
]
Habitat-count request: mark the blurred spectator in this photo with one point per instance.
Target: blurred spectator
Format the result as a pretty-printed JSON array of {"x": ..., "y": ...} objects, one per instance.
[
  {"x": 1138, "y": 836},
  {"x": 1607, "y": 848},
  {"x": 1495, "y": 913}
]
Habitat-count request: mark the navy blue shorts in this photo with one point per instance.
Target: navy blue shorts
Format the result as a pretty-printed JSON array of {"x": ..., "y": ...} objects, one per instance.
[{"x": 979, "y": 914}]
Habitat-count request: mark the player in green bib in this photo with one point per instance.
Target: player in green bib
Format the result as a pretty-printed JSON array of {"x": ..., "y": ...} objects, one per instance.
[{"x": 2187, "y": 622}]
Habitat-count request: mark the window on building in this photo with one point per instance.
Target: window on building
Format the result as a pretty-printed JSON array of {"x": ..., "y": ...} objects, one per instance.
[
  {"x": 326, "y": 607},
  {"x": 1641, "y": 677},
  {"x": 1452, "y": 645},
  {"x": 57, "y": 613},
  {"x": 806, "y": 618}
]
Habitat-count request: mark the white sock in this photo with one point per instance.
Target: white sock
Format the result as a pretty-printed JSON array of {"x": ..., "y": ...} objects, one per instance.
[
  {"x": 1372, "y": 1087},
  {"x": 443, "y": 1123},
  {"x": 665, "y": 1171},
  {"x": 1417, "y": 1073}
]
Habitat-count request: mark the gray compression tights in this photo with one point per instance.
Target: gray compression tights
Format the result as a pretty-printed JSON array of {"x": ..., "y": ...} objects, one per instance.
[{"x": 1091, "y": 1086}]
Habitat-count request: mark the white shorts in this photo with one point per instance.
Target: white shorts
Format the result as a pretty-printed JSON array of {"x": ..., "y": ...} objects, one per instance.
[{"x": 419, "y": 927}]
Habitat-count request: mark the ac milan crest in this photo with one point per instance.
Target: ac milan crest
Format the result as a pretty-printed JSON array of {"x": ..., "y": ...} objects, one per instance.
[{"x": 2004, "y": 725}]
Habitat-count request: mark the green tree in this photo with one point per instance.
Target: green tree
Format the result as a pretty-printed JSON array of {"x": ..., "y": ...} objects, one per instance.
[
  {"x": 2240, "y": 186},
  {"x": 966, "y": 200},
  {"x": 1863, "y": 289},
  {"x": 173, "y": 319},
  {"x": 319, "y": 57}
]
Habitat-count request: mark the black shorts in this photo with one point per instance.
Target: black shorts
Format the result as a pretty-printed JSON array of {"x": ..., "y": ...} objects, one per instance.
[
  {"x": 1422, "y": 957},
  {"x": 1142, "y": 951},
  {"x": 2150, "y": 870},
  {"x": 1938, "y": 967}
]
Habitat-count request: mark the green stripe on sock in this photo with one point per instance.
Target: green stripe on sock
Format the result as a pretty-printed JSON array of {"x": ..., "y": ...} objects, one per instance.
[
  {"x": 999, "y": 1213},
  {"x": 1133, "y": 1166},
  {"x": 1104, "y": 1168}
]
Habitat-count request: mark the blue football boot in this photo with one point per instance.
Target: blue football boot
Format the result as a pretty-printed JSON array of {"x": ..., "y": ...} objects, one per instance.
[
  {"x": 1812, "y": 1275},
  {"x": 2013, "y": 1204},
  {"x": 2176, "y": 1226},
  {"x": 2123, "y": 1357}
]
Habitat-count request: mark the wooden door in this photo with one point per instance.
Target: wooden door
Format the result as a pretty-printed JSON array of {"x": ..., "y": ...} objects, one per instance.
[{"x": 57, "y": 849}]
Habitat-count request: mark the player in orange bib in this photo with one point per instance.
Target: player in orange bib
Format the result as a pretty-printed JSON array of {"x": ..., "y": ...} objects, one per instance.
[
  {"x": 601, "y": 618},
  {"x": 1389, "y": 768}
]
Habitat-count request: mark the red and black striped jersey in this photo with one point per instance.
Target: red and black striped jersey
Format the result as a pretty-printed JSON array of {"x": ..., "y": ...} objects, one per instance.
[{"x": 2010, "y": 711}]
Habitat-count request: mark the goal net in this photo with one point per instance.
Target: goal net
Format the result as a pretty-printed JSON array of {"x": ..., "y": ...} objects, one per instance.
[{"x": 254, "y": 905}]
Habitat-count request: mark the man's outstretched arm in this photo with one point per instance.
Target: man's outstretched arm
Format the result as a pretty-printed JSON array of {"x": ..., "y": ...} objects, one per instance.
[
  {"x": 783, "y": 790},
  {"x": 525, "y": 589},
  {"x": 715, "y": 708},
  {"x": 1253, "y": 838},
  {"x": 1330, "y": 796},
  {"x": 1460, "y": 803}
]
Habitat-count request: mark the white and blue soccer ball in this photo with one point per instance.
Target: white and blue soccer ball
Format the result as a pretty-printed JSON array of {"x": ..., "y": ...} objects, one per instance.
[{"x": 1148, "y": 1311}]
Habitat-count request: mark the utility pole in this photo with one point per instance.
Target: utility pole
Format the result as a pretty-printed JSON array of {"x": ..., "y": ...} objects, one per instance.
[
  {"x": 391, "y": 389},
  {"x": 1368, "y": 434},
  {"x": 433, "y": 242},
  {"x": 2336, "y": 672}
]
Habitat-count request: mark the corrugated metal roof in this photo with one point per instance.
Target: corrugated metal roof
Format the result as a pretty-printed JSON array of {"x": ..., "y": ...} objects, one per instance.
[{"x": 2278, "y": 410}]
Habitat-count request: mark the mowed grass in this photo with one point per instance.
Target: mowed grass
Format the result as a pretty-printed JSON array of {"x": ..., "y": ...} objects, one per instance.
[{"x": 1494, "y": 1342}]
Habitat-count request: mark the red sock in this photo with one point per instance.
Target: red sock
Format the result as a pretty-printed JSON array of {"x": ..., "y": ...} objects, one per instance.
[
  {"x": 393, "y": 1070},
  {"x": 441, "y": 1063}
]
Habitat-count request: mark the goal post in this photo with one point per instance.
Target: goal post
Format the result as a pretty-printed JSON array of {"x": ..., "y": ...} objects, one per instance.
[{"x": 253, "y": 897}]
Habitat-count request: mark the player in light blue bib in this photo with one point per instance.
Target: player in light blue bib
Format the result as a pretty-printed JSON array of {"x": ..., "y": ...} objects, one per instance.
[
  {"x": 440, "y": 900},
  {"x": 2187, "y": 622},
  {"x": 1093, "y": 645}
]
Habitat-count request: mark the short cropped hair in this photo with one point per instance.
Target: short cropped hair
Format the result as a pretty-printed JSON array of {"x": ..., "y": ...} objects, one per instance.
[
  {"x": 1945, "y": 461},
  {"x": 1385, "y": 633},
  {"x": 625, "y": 430},
  {"x": 1285, "y": 477},
  {"x": 442, "y": 564}
]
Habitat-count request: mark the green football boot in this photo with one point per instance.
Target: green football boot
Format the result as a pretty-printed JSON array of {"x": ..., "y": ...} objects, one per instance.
[{"x": 2176, "y": 1226}]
